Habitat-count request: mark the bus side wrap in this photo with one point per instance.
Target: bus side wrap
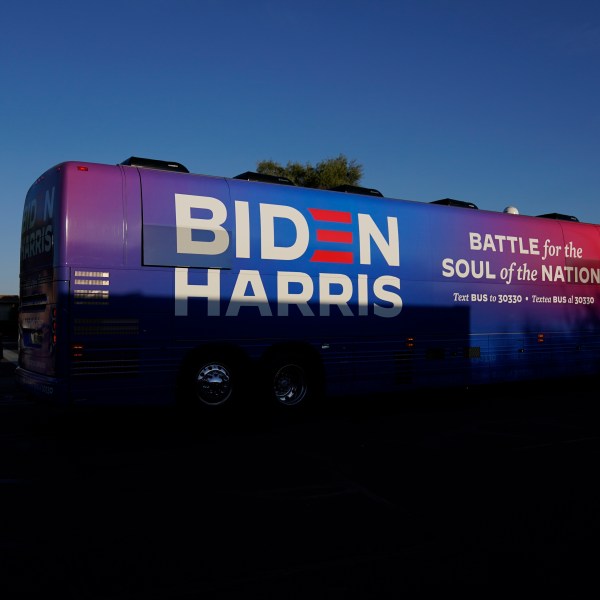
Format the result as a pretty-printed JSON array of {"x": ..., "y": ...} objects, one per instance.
[{"x": 131, "y": 276}]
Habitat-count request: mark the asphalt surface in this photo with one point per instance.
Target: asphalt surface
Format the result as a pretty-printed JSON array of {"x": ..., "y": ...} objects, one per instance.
[{"x": 490, "y": 491}]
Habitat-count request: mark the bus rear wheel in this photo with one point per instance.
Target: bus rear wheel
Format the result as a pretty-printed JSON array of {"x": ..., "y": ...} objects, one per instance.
[
  {"x": 292, "y": 381},
  {"x": 289, "y": 384}
]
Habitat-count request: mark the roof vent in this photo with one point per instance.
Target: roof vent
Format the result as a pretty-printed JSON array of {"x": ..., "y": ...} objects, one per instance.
[
  {"x": 453, "y": 202},
  {"x": 252, "y": 176},
  {"x": 150, "y": 163},
  {"x": 355, "y": 189},
  {"x": 560, "y": 217}
]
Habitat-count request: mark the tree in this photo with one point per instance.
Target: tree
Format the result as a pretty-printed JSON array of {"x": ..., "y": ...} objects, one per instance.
[{"x": 328, "y": 173}]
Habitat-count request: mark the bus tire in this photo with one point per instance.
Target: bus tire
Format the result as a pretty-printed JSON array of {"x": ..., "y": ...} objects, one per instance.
[
  {"x": 210, "y": 381},
  {"x": 292, "y": 382}
]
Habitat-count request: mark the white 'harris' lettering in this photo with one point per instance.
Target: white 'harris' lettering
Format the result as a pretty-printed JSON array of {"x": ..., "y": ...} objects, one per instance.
[{"x": 334, "y": 290}]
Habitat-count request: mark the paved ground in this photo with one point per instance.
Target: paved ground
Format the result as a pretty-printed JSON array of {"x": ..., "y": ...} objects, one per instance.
[{"x": 490, "y": 491}]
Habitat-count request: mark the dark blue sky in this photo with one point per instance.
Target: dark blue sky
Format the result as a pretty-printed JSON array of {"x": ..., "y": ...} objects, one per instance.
[{"x": 492, "y": 102}]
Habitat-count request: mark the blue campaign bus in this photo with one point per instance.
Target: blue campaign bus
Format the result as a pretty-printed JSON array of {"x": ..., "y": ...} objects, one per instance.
[{"x": 143, "y": 283}]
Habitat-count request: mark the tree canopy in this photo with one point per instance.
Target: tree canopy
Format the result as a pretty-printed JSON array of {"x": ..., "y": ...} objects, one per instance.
[{"x": 326, "y": 174}]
